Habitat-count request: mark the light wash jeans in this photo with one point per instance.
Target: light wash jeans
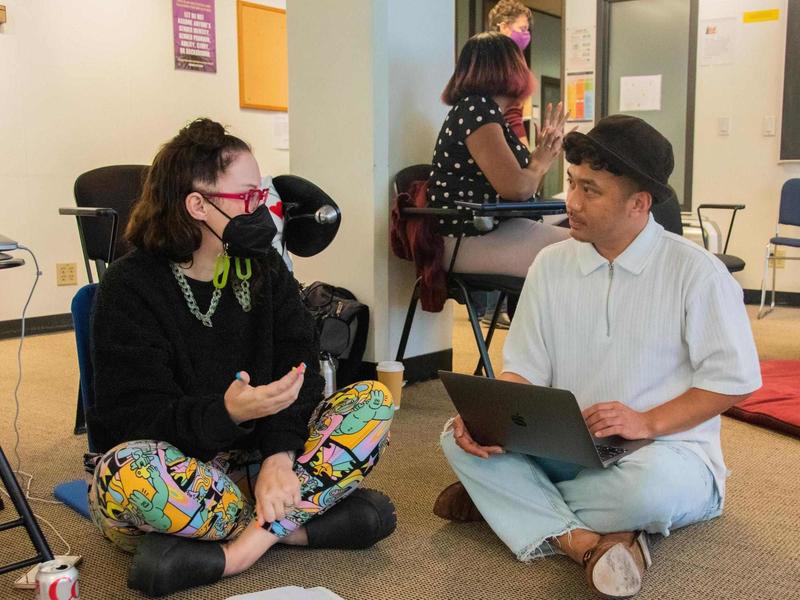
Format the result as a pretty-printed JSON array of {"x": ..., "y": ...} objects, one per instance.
[{"x": 527, "y": 501}]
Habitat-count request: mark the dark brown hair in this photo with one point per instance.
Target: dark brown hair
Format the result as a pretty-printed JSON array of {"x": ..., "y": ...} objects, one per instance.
[
  {"x": 508, "y": 11},
  {"x": 490, "y": 64},
  {"x": 159, "y": 222}
]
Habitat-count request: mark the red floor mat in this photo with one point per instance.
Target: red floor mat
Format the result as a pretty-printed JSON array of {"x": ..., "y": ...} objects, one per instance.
[{"x": 777, "y": 404}]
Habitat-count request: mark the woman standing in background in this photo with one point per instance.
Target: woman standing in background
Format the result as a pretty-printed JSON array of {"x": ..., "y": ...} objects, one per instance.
[{"x": 513, "y": 19}]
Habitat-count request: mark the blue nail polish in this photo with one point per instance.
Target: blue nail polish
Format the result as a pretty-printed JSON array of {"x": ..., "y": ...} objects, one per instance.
[{"x": 239, "y": 375}]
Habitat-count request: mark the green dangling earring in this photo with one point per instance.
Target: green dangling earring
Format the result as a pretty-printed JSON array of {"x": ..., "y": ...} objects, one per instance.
[
  {"x": 241, "y": 285},
  {"x": 221, "y": 269},
  {"x": 248, "y": 272}
]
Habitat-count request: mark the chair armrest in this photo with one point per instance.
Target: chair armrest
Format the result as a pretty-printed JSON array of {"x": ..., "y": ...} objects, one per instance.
[
  {"x": 528, "y": 208},
  {"x": 733, "y": 207},
  {"x": 726, "y": 206},
  {"x": 75, "y": 211},
  {"x": 428, "y": 211},
  {"x": 78, "y": 212}
]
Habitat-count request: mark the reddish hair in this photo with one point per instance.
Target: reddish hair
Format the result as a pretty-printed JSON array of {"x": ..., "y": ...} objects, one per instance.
[{"x": 490, "y": 64}]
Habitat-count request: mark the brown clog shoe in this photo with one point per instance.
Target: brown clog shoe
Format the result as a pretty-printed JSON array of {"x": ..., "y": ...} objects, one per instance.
[
  {"x": 454, "y": 504},
  {"x": 615, "y": 567}
]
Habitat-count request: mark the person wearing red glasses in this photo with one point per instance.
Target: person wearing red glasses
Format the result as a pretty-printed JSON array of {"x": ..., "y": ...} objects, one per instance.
[{"x": 216, "y": 440}]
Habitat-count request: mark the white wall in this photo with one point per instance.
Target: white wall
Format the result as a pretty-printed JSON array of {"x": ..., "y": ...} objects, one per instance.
[
  {"x": 92, "y": 83},
  {"x": 419, "y": 67},
  {"x": 338, "y": 94},
  {"x": 364, "y": 103},
  {"x": 742, "y": 167}
]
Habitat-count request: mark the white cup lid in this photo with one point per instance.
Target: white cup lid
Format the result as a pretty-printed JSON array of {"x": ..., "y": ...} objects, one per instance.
[{"x": 390, "y": 366}]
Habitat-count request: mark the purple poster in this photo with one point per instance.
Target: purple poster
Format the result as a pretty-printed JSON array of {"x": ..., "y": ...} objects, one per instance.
[{"x": 194, "y": 34}]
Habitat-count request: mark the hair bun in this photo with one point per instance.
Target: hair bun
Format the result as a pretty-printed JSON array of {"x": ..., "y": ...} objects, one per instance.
[{"x": 205, "y": 133}]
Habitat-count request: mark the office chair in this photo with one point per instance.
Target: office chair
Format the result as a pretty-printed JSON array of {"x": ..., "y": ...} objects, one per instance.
[
  {"x": 788, "y": 214},
  {"x": 734, "y": 264},
  {"x": 103, "y": 199},
  {"x": 311, "y": 217},
  {"x": 73, "y": 493},
  {"x": 459, "y": 285},
  {"x": 668, "y": 214}
]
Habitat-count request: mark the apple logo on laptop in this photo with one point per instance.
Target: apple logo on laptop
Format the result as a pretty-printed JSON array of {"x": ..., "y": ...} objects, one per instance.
[{"x": 518, "y": 419}]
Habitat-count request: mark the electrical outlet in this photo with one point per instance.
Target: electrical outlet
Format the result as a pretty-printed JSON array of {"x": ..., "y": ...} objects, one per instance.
[
  {"x": 780, "y": 255},
  {"x": 66, "y": 274}
]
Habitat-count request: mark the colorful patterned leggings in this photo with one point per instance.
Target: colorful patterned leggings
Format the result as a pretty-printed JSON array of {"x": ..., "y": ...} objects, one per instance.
[{"x": 146, "y": 485}]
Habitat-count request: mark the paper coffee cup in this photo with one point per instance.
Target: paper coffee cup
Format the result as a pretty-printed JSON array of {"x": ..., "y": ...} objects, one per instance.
[{"x": 390, "y": 374}]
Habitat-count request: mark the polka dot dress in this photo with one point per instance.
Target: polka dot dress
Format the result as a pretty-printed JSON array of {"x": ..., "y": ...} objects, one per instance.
[{"x": 455, "y": 175}]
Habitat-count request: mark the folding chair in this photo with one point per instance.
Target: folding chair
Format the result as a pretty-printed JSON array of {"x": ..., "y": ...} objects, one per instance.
[
  {"x": 788, "y": 214},
  {"x": 459, "y": 285},
  {"x": 733, "y": 263}
]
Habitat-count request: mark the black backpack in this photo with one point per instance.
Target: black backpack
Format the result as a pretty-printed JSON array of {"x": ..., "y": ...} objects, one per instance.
[{"x": 343, "y": 325}]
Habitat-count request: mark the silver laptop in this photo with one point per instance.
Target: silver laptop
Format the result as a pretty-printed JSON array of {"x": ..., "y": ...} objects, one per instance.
[
  {"x": 530, "y": 419},
  {"x": 7, "y": 244}
]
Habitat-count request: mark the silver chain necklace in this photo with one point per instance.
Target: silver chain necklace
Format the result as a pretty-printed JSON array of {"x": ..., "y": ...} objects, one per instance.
[{"x": 241, "y": 289}]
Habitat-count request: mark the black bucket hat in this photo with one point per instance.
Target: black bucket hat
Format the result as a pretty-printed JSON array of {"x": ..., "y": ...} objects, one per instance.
[{"x": 637, "y": 147}]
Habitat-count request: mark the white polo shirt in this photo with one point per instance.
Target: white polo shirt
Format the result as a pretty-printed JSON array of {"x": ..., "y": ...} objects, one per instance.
[{"x": 665, "y": 316}]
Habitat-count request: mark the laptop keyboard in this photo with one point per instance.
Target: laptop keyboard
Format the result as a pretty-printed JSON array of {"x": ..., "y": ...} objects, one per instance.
[{"x": 609, "y": 452}]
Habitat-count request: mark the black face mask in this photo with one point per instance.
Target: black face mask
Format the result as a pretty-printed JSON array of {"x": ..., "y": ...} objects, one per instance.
[{"x": 249, "y": 235}]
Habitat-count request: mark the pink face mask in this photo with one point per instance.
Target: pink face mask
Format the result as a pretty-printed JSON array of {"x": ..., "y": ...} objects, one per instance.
[{"x": 521, "y": 38}]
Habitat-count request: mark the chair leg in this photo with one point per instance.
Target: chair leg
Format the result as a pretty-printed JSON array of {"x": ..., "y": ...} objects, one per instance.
[
  {"x": 476, "y": 331},
  {"x": 412, "y": 308},
  {"x": 498, "y": 309},
  {"x": 774, "y": 273},
  {"x": 26, "y": 519},
  {"x": 80, "y": 418},
  {"x": 761, "y": 311}
]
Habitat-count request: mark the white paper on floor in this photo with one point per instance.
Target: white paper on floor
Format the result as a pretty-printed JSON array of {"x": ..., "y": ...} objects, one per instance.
[{"x": 290, "y": 593}]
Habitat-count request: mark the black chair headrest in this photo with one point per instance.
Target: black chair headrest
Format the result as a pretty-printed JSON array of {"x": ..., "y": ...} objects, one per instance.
[
  {"x": 312, "y": 218},
  {"x": 114, "y": 187}
]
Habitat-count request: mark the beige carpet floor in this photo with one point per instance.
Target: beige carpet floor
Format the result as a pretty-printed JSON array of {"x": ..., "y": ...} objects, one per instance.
[{"x": 753, "y": 551}]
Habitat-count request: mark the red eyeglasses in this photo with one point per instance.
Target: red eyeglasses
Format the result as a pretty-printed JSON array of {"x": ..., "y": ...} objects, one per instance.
[{"x": 252, "y": 198}]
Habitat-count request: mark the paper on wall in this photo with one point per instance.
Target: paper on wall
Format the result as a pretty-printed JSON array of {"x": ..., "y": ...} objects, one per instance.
[
  {"x": 642, "y": 92},
  {"x": 717, "y": 41},
  {"x": 580, "y": 49},
  {"x": 280, "y": 131}
]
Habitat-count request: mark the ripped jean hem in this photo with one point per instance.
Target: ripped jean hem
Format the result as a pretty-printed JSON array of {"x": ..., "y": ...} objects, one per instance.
[{"x": 544, "y": 546}]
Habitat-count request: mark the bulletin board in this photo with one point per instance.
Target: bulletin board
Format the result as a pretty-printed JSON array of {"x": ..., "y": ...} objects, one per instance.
[{"x": 263, "y": 57}]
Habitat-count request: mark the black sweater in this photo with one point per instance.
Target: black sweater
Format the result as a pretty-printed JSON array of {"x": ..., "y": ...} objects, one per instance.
[{"x": 160, "y": 374}]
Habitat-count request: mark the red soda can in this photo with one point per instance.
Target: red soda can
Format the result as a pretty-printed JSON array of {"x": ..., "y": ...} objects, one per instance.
[{"x": 57, "y": 580}]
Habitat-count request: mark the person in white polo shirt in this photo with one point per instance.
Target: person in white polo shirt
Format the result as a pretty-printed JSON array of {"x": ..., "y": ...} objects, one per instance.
[{"x": 650, "y": 333}]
